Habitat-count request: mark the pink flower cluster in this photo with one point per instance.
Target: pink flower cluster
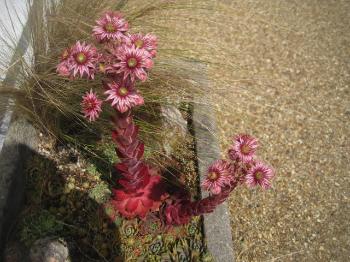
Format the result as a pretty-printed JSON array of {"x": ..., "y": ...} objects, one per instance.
[
  {"x": 79, "y": 60},
  {"x": 242, "y": 167},
  {"x": 122, "y": 58}
]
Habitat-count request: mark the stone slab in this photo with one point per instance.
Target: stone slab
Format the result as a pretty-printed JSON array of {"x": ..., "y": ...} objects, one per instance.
[
  {"x": 20, "y": 142},
  {"x": 217, "y": 226}
]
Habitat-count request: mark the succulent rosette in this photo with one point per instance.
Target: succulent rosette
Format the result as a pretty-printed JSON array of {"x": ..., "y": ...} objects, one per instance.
[
  {"x": 174, "y": 214},
  {"x": 129, "y": 228},
  {"x": 152, "y": 225},
  {"x": 140, "y": 202}
]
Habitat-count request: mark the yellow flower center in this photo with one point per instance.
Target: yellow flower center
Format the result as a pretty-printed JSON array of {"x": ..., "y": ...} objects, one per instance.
[
  {"x": 132, "y": 62},
  {"x": 259, "y": 175},
  {"x": 110, "y": 28},
  {"x": 245, "y": 149},
  {"x": 123, "y": 91},
  {"x": 81, "y": 58},
  {"x": 139, "y": 43},
  {"x": 212, "y": 176}
]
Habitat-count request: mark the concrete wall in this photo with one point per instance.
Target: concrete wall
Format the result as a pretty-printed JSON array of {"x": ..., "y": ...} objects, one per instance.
[
  {"x": 17, "y": 136},
  {"x": 14, "y": 45}
]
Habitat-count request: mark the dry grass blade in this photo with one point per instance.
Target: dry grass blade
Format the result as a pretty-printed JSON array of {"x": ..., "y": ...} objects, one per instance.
[{"x": 49, "y": 99}]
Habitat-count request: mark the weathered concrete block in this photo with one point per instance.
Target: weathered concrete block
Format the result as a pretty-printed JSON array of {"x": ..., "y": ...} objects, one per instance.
[{"x": 20, "y": 141}]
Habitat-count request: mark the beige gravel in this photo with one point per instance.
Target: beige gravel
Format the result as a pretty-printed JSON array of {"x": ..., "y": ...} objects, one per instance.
[
  {"x": 283, "y": 76},
  {"x": 280, "y": 71},
  {"x": 295, "y": 58}
]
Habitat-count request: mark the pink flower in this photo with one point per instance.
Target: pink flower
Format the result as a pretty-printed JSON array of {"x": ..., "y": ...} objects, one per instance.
[
  {"x": 133, "y": 62},
  {"x": 218, "y": 177},
  {"x": 123, "y": 96},
  {"x": 111, "y": 26},
  {"x": 83, "y": 60},
  {"x": 147, "y": 42},
  {"x": 63, "y": 67},
  {"x": 91, "y": 106},
  {"x": 259, "y": 174},
  {"x": 244, "y": 148}
]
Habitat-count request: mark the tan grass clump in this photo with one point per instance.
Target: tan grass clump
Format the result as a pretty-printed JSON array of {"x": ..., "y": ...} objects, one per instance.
[{"x": 179, "y": 75}]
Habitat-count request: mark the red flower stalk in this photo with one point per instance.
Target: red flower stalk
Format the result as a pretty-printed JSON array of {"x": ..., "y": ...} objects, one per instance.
[
  {"x": 143, "y": 188},
  {"x": 181, "y": 212},
  {"x": 130, "y": 150}
]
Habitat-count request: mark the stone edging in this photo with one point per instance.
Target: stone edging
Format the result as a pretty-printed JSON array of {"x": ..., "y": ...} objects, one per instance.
[
  {"x": 217, "y": 228},
  {"x": 20, "y": 142}
]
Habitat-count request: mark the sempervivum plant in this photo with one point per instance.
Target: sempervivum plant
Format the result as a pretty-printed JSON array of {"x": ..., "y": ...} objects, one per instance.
[{"x": 122, "y": 59}]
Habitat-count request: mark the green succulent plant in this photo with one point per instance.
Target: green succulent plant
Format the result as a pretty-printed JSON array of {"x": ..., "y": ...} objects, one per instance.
[
  {"x": 169, "y": 239},
  {"x": 129, "y": 228},
  {"x": 108, "y": 150},
  {"x": 100, "y": 193},
  {"x": 196, "y": 244},
  {"x": 152, "y": 225},
  {"x": 156, "y": 246},
  {"x": 207, "y": 257},
  {"x": 192, "y": 229},
  {"x": 39, "y": 225},
  {"x": 92, "y": 170}
]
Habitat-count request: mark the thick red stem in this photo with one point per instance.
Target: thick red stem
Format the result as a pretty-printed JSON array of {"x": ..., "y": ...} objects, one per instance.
[
  {"x": 130, "y": 150},
  {"x": 182, "y": 211}
]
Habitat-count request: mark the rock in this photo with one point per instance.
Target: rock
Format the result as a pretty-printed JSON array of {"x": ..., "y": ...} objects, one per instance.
[
  {"x": 175, "y": 126},
  {"x": 49, "y": 250},
  {"x": 20, "y": 143}
]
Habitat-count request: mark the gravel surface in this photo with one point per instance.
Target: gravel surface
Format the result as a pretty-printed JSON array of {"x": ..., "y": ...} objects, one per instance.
[
  {"x": 281, "y": 70},
  {"x": 291, "y": 90}
]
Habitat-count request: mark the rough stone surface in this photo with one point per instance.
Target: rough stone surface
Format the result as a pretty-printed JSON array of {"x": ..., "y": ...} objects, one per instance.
[
  {"x": 20, "y": 141},
  {"x": 217, "y": 226},
  {"x": 17, "y": 137},
  {"x": 49, "y": 250},
  {"x": 176, "y": 124}
]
